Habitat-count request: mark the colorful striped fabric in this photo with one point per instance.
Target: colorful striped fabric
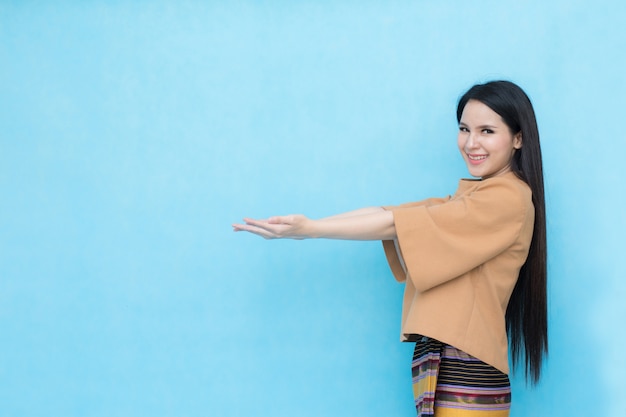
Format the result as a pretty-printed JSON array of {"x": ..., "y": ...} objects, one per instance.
[{"x": 448, "y": 382}]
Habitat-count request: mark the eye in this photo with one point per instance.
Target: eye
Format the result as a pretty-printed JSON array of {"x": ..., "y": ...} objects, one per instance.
[
  {"x": 463, "y": 129},
  {"x": 487, "y": 131}
]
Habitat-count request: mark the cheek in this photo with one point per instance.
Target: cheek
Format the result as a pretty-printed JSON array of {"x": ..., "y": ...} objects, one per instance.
[
  {"x": 504, "y": 147},
  {"x": 460, "y": 141}
]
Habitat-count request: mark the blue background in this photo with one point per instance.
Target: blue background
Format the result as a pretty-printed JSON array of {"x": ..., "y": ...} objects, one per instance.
[{"x": 132, "y": 134}]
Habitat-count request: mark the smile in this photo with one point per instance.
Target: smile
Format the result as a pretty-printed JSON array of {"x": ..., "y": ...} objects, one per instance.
[{"x": 476, "y": 159}]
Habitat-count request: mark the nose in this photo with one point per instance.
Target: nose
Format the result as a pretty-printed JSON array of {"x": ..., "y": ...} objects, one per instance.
[{"x": 471, "y": 141}]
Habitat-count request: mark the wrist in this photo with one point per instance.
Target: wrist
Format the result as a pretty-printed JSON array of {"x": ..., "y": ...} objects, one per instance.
[{"x": 312, "y": 229}]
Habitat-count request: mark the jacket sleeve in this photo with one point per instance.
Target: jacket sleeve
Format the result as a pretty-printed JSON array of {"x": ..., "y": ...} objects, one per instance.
[
  {"x": 392, "y": 250},
  {"x": 440, "y": 242}
]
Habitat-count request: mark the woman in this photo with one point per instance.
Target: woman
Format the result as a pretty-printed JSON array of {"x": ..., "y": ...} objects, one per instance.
[{"x": 474, "y": 263}]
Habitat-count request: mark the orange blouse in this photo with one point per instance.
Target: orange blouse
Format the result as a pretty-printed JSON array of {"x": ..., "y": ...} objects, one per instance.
[{"x": 460, "y": 257}]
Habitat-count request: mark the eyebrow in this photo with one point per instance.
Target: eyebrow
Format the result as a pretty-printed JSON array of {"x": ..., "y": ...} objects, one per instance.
[{"x": 481, "y": 126}]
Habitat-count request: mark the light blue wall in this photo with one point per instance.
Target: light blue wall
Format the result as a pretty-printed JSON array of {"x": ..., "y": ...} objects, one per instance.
[{"x": 133, "y": 133}]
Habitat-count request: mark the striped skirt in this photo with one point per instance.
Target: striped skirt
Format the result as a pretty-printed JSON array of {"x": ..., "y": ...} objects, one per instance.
[{"x": 448, "y": 382}]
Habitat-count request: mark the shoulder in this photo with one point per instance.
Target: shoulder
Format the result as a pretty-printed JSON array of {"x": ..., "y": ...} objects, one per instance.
[
  {"x": 504, "y": 188},
  {"x": 502, "y": 199}
]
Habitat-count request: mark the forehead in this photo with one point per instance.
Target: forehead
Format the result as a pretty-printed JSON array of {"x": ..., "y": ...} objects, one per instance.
[{"x": 476, "y": 112}]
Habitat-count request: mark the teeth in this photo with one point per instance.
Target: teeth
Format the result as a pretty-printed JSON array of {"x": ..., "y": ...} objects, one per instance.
[{"x": 477, "y": 158}]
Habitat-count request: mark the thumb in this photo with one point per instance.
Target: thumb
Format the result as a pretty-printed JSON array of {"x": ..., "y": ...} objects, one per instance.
[{"x": 278, "y": 220}]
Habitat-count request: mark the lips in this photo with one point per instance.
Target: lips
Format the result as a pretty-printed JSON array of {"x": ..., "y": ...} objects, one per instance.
[{"x": 476, "y": 159}]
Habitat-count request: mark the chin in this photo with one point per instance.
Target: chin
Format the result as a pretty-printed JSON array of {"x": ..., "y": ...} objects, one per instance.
[{"x": 475, "y": 173}]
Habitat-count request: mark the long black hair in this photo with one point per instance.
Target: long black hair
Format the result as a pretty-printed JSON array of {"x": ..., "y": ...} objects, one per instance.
[{"x": 527, "y": 311}]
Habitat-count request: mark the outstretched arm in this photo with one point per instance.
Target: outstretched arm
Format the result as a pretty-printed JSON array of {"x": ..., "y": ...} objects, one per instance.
[
  {"x": 358, "y": 212},
  {"x": 365, "y": 224}
]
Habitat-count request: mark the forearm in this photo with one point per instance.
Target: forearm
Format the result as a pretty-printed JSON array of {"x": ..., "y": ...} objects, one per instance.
[
  {"x": 358, "y": 212},
  {"x": 372, "y": 223}
]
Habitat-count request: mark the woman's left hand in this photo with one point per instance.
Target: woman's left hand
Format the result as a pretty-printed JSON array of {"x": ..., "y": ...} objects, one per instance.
[{"x": 293, "y": 226}]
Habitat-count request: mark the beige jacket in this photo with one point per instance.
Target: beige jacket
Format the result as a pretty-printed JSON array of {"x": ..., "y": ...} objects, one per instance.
[{"x": 460, "y": 258}]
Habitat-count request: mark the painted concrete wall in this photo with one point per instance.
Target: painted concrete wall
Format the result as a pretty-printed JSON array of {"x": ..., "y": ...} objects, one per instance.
[{"x": 133, "y": 133}]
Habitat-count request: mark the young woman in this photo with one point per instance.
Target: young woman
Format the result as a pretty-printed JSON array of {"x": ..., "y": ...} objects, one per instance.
[{"x": 474, "y": 263}]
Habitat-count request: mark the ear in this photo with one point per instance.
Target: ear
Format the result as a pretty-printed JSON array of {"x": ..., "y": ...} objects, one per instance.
[{"x": 517, "y": 140}]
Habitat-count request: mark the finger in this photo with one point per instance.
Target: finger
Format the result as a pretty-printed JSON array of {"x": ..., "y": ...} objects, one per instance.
[
  {"x": 241, "y": 225},
  {"x": 255, "y": 230},
  {"x": 280, "y": 220},
  {"x": 258, "y": 223}
]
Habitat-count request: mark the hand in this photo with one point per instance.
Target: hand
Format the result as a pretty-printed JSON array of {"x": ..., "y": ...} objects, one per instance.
[{"x": 293, "y": 226}]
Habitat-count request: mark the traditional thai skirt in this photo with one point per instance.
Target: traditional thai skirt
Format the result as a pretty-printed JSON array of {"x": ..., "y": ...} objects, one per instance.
[{"x": 448, "y": 382}]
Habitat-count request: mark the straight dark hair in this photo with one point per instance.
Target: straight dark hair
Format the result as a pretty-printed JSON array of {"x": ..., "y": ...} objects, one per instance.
[{"x": 527, "y": 311}]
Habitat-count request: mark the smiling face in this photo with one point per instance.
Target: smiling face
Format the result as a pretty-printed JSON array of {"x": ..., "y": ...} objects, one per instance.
[{"x": 485, "y": 141}]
